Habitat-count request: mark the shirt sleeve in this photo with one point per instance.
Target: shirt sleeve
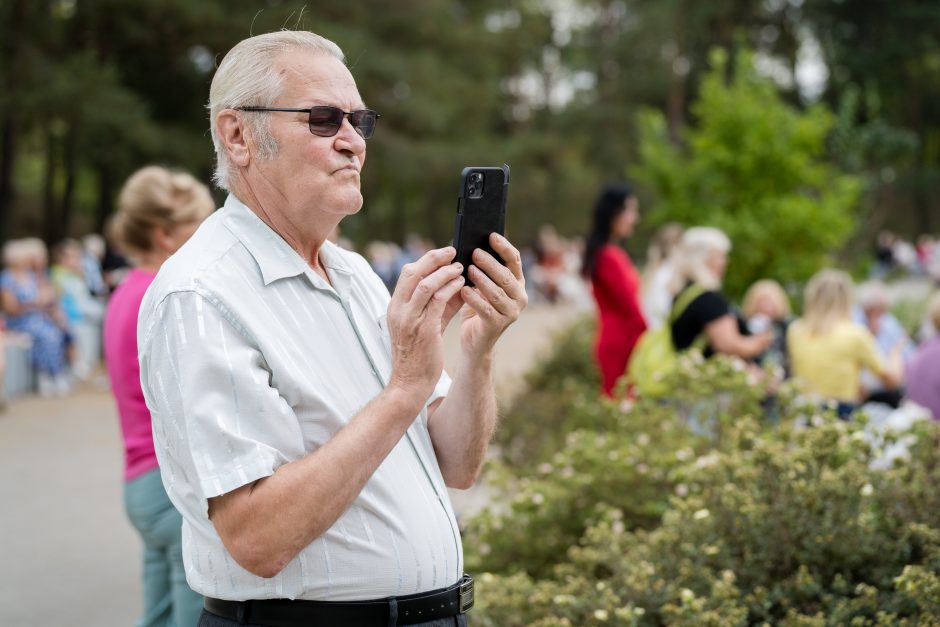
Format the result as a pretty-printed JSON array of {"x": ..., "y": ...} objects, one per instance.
[
  {"x": 216, "y": 418},
  {"x": 708, "y": 307}
]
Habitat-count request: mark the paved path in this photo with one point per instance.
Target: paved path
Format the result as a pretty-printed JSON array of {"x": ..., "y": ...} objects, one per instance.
[{"x": 68, "y": 556}]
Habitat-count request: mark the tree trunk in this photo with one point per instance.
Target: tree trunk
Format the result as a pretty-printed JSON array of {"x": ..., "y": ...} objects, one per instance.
[
  {"x": 105, "y": 197},
  {"x": 675, "y": 103},
  {"x": 49, "y": 221},
  {"x": 7, "y": 154},
  {"x": 11, "y": 49},
  {"x": 67, "y": 207},
  {"x": 921, "y": 196}
]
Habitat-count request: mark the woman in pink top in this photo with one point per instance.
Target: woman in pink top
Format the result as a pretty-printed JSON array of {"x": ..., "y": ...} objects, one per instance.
[{"x": 158, "y": 211}]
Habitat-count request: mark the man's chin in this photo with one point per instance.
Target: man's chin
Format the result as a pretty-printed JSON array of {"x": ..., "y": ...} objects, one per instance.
[{"x": 350, "y": 202}]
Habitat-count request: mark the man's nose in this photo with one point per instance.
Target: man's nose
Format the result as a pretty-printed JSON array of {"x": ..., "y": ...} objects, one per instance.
[{"x": 349, "y": 139}]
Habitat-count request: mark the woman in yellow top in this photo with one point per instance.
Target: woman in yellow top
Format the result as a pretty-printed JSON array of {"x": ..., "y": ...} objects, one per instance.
[{"x": 828, "y": 350}]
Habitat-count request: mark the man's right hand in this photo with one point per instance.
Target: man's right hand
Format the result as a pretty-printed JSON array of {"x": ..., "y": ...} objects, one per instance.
[{"x": 426, "y": 297}]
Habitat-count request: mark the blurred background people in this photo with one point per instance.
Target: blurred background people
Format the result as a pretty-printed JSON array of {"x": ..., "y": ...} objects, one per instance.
[
  {"x": 158, "y": 211},
  {"x": 82, "y": 309},
  {"x": 658, "y": 273},
  {"x": 766, "y": 307},
  {"x": 3, "y": 365},
  {"x": 615, "y": 282},
  {"x": 922, "y": 378},
  {"x": 30, "y": 305},
  {"x": 700, "y": 263},
  {"x": 884, "y": 254},
  {"x": 93, "y": 254},
  {"x": 828, "y": 349},
  {"x": 873, "y": 310},
  {"x": 549, "y": 268}
]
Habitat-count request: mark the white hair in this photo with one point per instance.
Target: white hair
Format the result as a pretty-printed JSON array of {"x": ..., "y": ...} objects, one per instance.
[
  {"x": 697, "y": 245},
  {"x": 873, "y": 295},
  {"x": 15, "y": 253},
  {"x": 246, "y": 78}
]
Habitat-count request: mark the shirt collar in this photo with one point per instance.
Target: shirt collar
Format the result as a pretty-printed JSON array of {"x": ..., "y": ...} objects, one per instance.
[{"x": 276, "y": 259}]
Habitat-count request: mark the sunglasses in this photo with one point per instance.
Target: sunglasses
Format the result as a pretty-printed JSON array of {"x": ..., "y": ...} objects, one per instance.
[{"x": 325, "y": 121}]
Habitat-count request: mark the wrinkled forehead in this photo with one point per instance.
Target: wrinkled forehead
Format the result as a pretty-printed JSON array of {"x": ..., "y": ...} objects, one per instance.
[{"x": 311, "y": 77}]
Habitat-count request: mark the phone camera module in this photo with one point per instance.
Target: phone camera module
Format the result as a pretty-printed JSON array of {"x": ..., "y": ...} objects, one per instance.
[{"x": 475, "y": 185}]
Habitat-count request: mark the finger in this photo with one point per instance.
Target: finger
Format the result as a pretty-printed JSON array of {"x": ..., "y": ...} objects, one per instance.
[
  {"x": 472, "y": 297},
  {"x": 509, "y": 253},
  {"x": 429, "y": 286},
  {"x": 413, "y": 273},
  {"x": 500, "y": 274},
  {"x": 492, "y": 292},
  {"x": 442, "y": 297},
  {"x": 453, "y": 306}
]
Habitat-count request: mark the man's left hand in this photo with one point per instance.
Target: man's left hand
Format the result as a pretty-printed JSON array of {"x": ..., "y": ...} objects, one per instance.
[{"x": 496, "y": 299}]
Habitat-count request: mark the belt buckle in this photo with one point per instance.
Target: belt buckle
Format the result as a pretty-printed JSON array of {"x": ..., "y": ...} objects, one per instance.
[{"x": 466, "y": 593}]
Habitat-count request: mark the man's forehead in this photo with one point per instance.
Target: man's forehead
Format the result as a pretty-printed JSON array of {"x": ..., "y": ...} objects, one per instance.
[{"x": 316, "y": 75}]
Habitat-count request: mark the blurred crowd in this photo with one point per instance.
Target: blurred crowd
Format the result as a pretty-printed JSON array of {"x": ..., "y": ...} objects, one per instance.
[
  {"x": 52, "y": 311},
  {"x": 845, "y": 350},
  {"x": 894, "y": 254},
  {"x": 550, "y": 263}
]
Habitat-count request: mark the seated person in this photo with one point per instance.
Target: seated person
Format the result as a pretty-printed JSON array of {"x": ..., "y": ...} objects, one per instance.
[
  {"x": 700, "y": 264},
  {"x": 828, "y": 350},
  {"x": 873, "y": 310},
  {"x": 32, "y": 310},
  {"x": 923, "y": 371},
  {"x": 767, "y": 308}
]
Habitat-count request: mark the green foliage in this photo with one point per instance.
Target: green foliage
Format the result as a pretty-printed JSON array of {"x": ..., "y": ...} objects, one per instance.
[
  {"x": 755, "y": 167},
  {"x": 538, "y": 420},
  {"x": 707, "y": 510},
  {"x": 910, "y": 313},
  {"x": 551, "y": 88}
]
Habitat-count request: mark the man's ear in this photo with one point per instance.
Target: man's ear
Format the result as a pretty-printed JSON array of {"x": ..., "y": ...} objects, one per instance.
[{"x": 233, "y": 137}]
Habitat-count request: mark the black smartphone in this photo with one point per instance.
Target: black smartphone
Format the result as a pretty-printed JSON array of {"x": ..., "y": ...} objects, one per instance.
[{"x": 481, "y": 210}]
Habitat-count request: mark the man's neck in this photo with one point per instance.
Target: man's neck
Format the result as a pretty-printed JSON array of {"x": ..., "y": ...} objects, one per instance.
[{"x": 306, "y": 244}]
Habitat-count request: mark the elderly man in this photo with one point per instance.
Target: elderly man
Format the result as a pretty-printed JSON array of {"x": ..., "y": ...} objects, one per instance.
[
  {"x": 303, "y": 422},
  {"x": 874, "y": 312}
]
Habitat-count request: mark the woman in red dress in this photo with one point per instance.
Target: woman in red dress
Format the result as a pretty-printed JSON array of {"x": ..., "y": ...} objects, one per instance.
[{"x": 615, "y": 282}]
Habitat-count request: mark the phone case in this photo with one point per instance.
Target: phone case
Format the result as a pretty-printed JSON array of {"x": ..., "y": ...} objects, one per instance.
[{"x": 480, "y": 214}]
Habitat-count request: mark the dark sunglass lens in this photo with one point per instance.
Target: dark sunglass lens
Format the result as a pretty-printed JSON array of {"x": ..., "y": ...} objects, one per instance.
[
  {"x": 364, "y": 122},
  {"x": 325, "y": 121}
]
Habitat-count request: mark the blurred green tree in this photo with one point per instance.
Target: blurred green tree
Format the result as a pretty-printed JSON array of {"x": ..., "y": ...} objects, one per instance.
[
  {"x": 755, "y": 167},
  {"x": 91, "y": 90}
]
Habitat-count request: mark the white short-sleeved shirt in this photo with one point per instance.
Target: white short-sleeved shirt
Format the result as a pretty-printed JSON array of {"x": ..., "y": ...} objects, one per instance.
[{"x": 250, "y": 360}]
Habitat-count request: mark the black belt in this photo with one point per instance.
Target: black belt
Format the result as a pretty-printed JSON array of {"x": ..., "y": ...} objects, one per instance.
[{"x": 404, "y": 610}]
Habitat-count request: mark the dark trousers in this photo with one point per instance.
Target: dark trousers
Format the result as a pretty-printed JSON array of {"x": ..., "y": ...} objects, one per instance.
[{"x": 211, "y": 620}]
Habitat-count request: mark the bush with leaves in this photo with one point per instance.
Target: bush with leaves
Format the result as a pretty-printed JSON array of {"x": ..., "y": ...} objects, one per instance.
[
  {"x": 756, "y": 167},
  {"x": 704, "y": 511},
  {"x": 583, "y": 454},
  {"x": 559, "y": 397}
]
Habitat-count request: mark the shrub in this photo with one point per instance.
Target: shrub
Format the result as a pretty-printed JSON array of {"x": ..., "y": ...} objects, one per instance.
[
  {"x": 560, "y": 396},
  {"x": 756, "y": 167},
  {"x": 706, "y": 511}
]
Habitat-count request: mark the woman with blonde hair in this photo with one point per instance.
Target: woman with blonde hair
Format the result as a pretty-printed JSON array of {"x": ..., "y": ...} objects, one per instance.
[
  {"x": 766, "y": 307},
  {"x": 701, "y": 315},
  {"x": 828, "y": 349},
  {"x": 158, "y": 210}
]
